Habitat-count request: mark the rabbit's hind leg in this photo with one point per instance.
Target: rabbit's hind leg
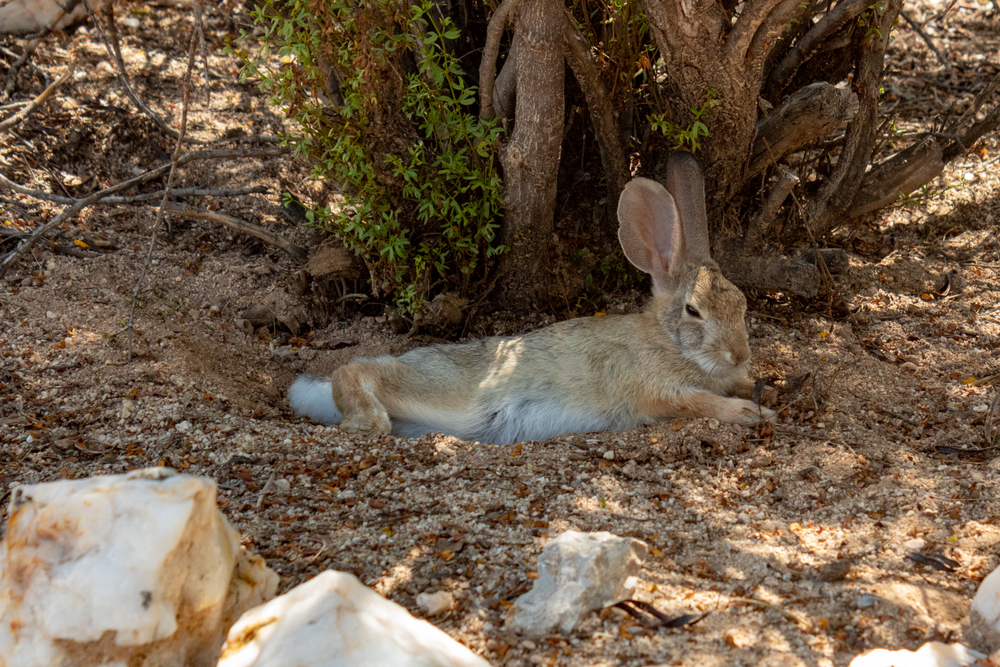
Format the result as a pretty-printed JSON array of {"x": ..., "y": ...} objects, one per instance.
[{"x": 355, "y": 389}]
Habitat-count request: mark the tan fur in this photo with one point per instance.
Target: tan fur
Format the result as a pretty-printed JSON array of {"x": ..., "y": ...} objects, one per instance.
[{"x": 685, "y": 355}]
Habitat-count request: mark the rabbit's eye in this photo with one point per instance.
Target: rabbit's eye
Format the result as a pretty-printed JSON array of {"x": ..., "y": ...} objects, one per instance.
[{"x": 692, "y": 311}]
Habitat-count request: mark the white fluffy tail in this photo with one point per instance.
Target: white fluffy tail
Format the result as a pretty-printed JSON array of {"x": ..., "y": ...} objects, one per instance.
[{"x": 312, "y": 396}]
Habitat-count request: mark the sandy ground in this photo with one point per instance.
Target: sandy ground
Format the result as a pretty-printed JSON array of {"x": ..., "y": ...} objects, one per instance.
[{"x": 798, "y": 537}]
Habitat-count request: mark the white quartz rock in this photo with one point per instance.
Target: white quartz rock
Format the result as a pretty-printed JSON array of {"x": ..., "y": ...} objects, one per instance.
[
  {"x": 983, "y": 631},
  {"x": 987, "y": 600},
  {"x": 931, "y": 654},
  {"x": 333, "y": 620},
  {"x": 577, "y": 573},
  {"x": 139, "y": 569},
  {"x": 21, "y": 16}
]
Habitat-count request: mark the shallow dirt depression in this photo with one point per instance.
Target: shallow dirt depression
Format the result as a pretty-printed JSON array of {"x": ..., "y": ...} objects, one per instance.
[{"x": 809, "y": 540}]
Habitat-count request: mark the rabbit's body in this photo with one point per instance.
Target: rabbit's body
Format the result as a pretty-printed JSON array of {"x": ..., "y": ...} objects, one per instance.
[{"x": 685, "y": 355}]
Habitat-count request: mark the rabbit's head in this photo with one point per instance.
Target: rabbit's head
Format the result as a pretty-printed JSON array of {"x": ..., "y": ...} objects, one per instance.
[{"x": 665, "y": 234}]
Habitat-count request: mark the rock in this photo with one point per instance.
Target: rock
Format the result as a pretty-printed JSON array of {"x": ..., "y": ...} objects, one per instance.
[
  {"x": 333, "y": 620},
  {"x": 866, "y": 601},
  {"x": 246, "y": 326},
  {"x": 334, "y": 261},
  {"x": 278, "y": 309},
  {"x": 21, "y": 16},
  {"x": 138, "y": 569},
  {"x": 443, "y": 313},
  {"x": 931, "y": 654},
  {"x": 739, "y": 637},
  {"x": 834, "y": 571},
  {"x": 983, "y": 631},
  {"x": 436, "y": 603},
  {"x": 577, "y": 573}
]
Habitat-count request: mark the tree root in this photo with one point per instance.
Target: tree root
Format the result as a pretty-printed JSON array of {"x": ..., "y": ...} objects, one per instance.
[{"x": 766, "y": 273}]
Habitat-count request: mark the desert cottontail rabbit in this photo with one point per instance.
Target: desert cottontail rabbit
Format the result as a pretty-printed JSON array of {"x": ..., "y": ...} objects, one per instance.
[{"x": 685, "y": 355}]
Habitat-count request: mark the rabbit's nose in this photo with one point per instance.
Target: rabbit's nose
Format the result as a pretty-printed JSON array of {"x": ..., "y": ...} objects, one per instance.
[{"x": 738, "y": 353}]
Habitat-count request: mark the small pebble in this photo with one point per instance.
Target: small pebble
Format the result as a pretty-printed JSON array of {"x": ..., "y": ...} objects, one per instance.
[
  {"x": 866, "y": 601},
  {"x": 436, "y": 603}
]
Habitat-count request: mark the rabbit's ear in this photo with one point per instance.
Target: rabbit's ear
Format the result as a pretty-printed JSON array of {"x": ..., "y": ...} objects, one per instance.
[
  {"x": 687, "y": 184},
  {"x": 650, "y": 232}
]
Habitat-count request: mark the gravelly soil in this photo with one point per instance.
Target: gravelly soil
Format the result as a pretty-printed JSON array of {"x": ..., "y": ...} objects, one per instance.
[{"x": 797, "y": 536}]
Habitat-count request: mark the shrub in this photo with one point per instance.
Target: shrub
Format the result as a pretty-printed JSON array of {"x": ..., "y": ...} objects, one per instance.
[{"x": 384, "y": 111}]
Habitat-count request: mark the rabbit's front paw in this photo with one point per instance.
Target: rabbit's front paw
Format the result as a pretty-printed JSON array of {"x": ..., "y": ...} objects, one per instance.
[
  {"x": 369, "y": 422},
  {"x": 742, "y": 411}
]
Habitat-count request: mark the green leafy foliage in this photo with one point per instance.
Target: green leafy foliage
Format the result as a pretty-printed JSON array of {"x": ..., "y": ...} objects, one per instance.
[
  {"x": 383, "y": 108},
  {"x": 688, "y": 138}
]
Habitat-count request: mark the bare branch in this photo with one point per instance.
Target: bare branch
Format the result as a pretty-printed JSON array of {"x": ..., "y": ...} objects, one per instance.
[
  {"x": 755, "y": 12},
  {"x": 182, "y": 192},
  {"x": 488, "y": 66},
  {"x": 839, "y": 189},
  {"x": 777, "y": 22},
  {"x": 125, "y": 185},
  {"x": 249, "y": 139},
  {"x": 901, "y": 174},
  {"x": 186, "y": 99},
  {"x": 760, "y": 224},
  {"x": 32, "y": 45},
  {"x": 601, "y": 114},
  {"x": 977, "y": 104},
  {"x": 10, "y": 122},
  {"x": 834, "y": 20},
  {"x": 917, "y": 28},
  {"x": 811, "y": 112},
  {"x": 977, "y": 131},
  {"x": 113, "y": 49},
  {"x": 185, "y": 211}
]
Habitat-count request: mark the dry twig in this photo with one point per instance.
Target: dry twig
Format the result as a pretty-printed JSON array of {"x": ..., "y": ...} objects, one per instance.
[
  {"x": 917, "y": 28},
  {"x": 114, "y": 50},
  {"x": 145, "y": 196},
  {"x": 175, "y": 158},
  {"x": 186, "y": 211},
  {"x": 30, "y": 49},
  {"x": 13, "y": 120},
  {"x": 81, "y": 204}
]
